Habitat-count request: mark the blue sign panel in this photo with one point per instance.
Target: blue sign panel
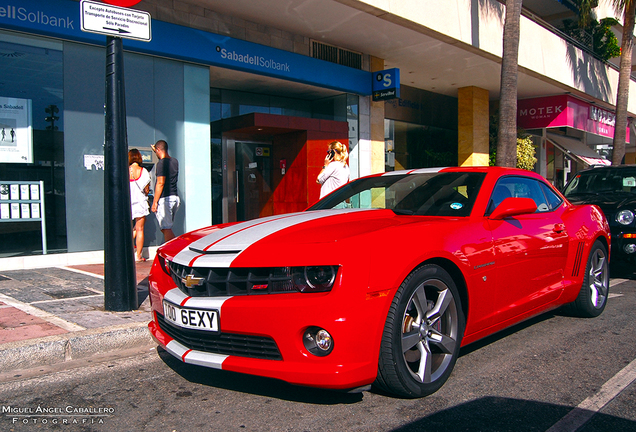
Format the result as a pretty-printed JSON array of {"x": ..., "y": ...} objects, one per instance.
[
  {"x": 386, "y": 84},
  {"x": 61, "y": 19}
]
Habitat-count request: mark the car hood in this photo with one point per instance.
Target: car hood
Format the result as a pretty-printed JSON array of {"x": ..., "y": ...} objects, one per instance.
[
  {"x": 608, "y": 202},
  {"x": 295, "y": 238}
]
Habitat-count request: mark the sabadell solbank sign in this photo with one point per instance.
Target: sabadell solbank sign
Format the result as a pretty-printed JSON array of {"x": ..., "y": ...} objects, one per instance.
[{"x": 565, "y": 111}]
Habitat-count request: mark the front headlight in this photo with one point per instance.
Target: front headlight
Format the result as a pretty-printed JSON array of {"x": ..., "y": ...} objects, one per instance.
[
  {"x": 314, "y": 278},
  {"x": 625, "y": 217}
]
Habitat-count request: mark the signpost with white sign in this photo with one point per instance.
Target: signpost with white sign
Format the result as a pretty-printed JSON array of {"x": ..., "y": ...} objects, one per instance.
[
  {"x": 109, "y": 20},
  {"x": 120, "y": 282}
]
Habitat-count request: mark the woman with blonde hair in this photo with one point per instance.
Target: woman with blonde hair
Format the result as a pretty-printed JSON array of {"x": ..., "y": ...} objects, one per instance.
[
  {"x": 139, "y": 188},
  {"x": 335, "y": 171}
]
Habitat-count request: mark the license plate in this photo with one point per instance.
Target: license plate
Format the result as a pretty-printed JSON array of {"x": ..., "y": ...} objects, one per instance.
[{"x": 198, "y": 319}]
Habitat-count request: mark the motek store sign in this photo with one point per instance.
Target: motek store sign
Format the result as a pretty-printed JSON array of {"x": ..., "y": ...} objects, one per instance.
[{"x": 565, "y": 111}]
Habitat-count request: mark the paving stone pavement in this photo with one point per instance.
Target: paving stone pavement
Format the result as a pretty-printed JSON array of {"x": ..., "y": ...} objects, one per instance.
[{"x": 51, "y": 315}]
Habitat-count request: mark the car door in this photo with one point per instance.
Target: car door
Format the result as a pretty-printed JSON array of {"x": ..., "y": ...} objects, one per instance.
[{"x": 530, "y": 249}]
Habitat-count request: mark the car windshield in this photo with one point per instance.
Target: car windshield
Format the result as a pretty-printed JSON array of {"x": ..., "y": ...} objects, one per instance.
[
  {"x": 430, "y": 194},
  {"x": 602, "y": 181}
]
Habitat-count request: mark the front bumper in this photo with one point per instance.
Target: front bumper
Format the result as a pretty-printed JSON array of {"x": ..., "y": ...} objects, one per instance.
[
  {"x": 262, "y": 334},
  {"x": 624, "y": 243}
]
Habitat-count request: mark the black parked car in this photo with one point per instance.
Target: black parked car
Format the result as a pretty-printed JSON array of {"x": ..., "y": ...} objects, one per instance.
[{"x": 613, "y": 189}]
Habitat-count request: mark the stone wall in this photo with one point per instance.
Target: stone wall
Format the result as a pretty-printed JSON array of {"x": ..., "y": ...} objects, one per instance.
[{"x": 194, "y": 16}]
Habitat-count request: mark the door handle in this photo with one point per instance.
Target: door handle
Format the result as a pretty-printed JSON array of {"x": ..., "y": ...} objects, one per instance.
[
  {"x": 558, "y": 228},
  {"x": 237, "y": 174}
]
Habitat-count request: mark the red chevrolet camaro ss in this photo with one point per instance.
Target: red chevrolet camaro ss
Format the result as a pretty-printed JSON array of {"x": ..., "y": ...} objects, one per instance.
[{"x": 382, "y": 281}]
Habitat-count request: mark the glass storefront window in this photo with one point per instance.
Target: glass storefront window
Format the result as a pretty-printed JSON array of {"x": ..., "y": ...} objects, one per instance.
[
  {"x": 410, "y": 145},
  {"x": 32, "y": 75},
  {"x": 231, "y": 103},
  {"x": 353, "y": 119}
]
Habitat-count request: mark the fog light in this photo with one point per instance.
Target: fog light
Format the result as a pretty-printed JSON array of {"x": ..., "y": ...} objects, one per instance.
[
  {"x": 630, "y": 248},
  {"x": 318, "y": 341},
  {"x": 323, "y": 340}
]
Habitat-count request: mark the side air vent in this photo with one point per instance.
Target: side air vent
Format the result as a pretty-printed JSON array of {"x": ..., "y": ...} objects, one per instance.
[
  {"x": 334, "y": 54},
  {"x": 577, "y": 259}
]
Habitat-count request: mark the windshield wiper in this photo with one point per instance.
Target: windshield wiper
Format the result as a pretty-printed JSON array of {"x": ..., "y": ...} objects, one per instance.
[{"x": 403, "y": 212}]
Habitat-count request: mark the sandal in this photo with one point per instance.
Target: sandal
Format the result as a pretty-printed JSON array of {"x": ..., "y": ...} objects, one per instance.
[{"x": 140, "y": 260}]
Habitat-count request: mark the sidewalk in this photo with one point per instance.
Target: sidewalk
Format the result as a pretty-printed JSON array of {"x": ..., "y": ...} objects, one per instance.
[{"x": 52, "y": 315}]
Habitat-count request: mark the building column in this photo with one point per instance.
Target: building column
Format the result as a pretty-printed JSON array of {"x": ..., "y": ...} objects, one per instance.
[
  {"x": 630, "y": 158},
  {"x": 196, "y": 205},
  {"x": 377, "y": 123},
  {"x": 473, "y": 114}
]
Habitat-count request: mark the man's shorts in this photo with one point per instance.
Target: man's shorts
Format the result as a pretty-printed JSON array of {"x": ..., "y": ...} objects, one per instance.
[{"x": 166, "y": 209}]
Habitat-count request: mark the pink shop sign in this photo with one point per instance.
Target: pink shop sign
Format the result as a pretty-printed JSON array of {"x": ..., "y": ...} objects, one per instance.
[{"x": 565, "y": 111}]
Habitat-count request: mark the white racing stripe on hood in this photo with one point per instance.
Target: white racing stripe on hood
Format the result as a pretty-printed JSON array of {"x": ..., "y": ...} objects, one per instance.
[
  {"x": 187, "y": 255},
  {"x": 224, "y": 246}
]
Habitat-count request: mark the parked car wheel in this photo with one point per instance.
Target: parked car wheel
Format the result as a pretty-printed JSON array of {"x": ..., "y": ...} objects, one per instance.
[
  {"x": 422, "y": 334},
  {"x": 593, "y": 295}
]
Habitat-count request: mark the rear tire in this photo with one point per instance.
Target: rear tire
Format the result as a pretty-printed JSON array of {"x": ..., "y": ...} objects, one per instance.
[
  {"x": 422, "y": 334},
  {"x": 592, "y": 298}
]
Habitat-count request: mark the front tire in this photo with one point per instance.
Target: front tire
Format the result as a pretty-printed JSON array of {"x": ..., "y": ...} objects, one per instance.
[
  {"x": 422, "y": 334},
  {"x": 592, "y": 298}
]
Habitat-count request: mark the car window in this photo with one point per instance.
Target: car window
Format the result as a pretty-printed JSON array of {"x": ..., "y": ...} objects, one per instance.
[
  {"x": 522, "y": 187},
  {"x": 553, "y": 200}
]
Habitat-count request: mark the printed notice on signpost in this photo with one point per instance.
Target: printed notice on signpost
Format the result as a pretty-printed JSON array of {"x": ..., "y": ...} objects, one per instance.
[
  {"x": 15, "y": 210},
  {"x": 35, "y": 210},
  {"x": 25, "y": 211},
  {"x": 15, "y": 192},
  {"x": 35, "y": 192},
  {"x": 24, "y": 192}
]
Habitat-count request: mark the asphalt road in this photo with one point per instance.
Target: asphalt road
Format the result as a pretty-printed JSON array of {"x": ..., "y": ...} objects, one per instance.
[{"x": 554, "y": 372}]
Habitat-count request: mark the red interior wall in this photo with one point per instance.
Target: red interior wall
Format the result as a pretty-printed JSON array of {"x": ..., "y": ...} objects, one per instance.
[{"x": 304, "y": 151}]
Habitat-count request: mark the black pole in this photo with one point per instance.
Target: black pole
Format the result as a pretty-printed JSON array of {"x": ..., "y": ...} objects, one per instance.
[{"x": 120, "y": 281}]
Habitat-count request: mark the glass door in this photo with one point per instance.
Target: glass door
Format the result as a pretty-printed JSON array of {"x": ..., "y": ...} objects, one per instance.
[{"x": 254, "y": 179}]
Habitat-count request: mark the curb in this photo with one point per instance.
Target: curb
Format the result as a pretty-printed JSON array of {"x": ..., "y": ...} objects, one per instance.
[{"x": 51, "y": 350}]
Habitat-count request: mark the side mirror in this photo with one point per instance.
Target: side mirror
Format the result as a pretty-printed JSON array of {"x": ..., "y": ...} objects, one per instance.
[{"x": 513, "y": 207}]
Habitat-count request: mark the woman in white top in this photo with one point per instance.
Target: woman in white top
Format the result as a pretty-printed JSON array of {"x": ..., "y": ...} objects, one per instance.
[
  {"x": 139, "y": 188},
  {"x": 335, "y": 171}
]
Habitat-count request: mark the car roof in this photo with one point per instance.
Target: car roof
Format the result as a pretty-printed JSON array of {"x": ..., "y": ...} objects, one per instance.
[
  {"x": 483, "y": 169},
  {"x": 608, "y": 168}
]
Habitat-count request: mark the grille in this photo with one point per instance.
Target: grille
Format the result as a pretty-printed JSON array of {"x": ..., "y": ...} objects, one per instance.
[
  {"x": 335, "y": 54},
  {"x": 215, "y": 282},
  {"x": 222, "y": 343}
]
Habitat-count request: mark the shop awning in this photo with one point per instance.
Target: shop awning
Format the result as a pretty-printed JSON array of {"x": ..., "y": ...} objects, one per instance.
[{"x": 576, "y": 149}]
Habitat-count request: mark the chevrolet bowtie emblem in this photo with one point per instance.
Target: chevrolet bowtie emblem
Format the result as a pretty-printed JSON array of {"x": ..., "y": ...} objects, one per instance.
[{"x": 191, "y": 281}]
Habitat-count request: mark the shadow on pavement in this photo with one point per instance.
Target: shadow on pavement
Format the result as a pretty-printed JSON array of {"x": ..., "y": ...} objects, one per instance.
[
  {"x": 486, "y": 414},
  {"x": 505, "y": 414},
  {"x": 256, "y": 385},
  {"x": 507, "y": 332}
]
